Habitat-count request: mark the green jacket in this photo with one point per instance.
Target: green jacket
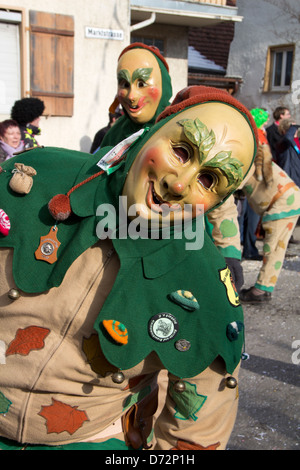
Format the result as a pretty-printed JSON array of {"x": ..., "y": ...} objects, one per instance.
[{"x": 150, "y": 270}]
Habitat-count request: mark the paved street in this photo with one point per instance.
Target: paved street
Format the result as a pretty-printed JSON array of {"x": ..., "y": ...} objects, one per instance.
[{"x": 269, "y": 411}]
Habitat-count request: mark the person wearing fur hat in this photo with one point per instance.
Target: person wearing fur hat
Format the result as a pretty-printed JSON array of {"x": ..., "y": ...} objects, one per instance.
[
  {"x": 27, "y": 112},
  {"x": 107, "y": 279}
]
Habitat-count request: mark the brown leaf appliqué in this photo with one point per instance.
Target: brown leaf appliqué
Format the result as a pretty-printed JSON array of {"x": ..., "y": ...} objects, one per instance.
[
  {"x": 61, "y": 417},
  {"x": 95, "y": 356},
  {"x": 184, "y": 445},
  {"x": 27, "y": 339}
]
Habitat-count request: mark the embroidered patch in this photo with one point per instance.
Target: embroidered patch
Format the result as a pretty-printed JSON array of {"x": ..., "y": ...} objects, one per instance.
[
  {"x": 95, "y": 357},
  {"x": 233, "y": 329},
  {"x": 185, "y": 299},
  {"x": 116, "y": 330},
  {"x": 163, "y": 327},
  {"x": 188, "y": 403},
  {"x": 226, "y": 278},
  {"x": 28, "y": 339},
  {"x": 4, "y": 404},
  {"x": 61, "y": 417}
]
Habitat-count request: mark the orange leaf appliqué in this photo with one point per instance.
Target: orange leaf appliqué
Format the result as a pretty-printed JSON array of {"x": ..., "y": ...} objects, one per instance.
[
  {"x": 27, "y": 339},
  {"x": 61, "y": 417},
  {"x": 184, "y": 445}
]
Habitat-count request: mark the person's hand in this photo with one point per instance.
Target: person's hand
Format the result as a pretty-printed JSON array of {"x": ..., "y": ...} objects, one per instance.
[{"x": 237, "y": 272}]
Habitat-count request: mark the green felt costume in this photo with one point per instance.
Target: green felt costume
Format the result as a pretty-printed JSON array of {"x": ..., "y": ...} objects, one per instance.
[
  {"x": 124, "y": 126},
  {"x": 150, "y": 269}
]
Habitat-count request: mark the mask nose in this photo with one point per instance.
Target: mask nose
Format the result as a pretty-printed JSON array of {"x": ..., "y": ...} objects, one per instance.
[
  {"x": 175, "y": 185},
  {"x": 179, "y": 184}
]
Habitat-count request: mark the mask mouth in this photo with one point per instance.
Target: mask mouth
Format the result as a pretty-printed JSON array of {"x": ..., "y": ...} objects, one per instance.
[
  {"x": 134, "y": 108},
  {"x": 156, "y": 203}
]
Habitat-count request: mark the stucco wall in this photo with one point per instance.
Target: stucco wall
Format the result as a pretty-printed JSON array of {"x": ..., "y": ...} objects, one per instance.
[
  {"x": 95, "y": 81},
  {"x": 95, "y": 65},
  {"x": 176, "y": 50},
  {"x": 264, "y": 25}
]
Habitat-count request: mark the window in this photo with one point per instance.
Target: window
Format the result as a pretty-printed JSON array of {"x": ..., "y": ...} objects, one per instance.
[
  {"x": 10, "y": 59},
  {"x": 279, "y": 68},
  {"x": 52, "y": 61},
  {"x": 159, "y": 43}
]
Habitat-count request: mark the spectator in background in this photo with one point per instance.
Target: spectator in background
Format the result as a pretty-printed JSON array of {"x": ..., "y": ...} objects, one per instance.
[
  {"x": 27, "y": 112},
  {"x": 287, "y": 150},
  {"x": 10, "y": 139},
  {"x": 281, "y": 112},
  {"x": 101, "y": 133},
  {"x": 249, "y": 219},
  {"x": 277, "y": 201}
]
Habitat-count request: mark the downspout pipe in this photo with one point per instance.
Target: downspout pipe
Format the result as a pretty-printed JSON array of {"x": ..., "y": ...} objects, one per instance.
[{"x": 143, "y": 24}]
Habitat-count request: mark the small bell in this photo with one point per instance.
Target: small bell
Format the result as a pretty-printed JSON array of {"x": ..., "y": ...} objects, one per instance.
[
  {"x": 118, "y": 377},
  {"x": 179, "y": 386},
  {"x": 13, "y": 294},
  {"x": 231, "y": 382}
]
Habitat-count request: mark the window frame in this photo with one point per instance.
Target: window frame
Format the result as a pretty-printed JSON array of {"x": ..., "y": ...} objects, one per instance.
[
  {"x": 269, "y": 79},
  {"x": 22, "y": 44},
  {"x": 149, "y": 40}
]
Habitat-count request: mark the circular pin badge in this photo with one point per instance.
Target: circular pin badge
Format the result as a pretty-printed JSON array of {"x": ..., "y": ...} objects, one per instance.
[
  {"x": 163, "y": 327},
  {"x": 182, "y": 345}
]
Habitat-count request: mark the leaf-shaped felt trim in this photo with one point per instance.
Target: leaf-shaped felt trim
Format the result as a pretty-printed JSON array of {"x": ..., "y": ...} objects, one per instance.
[
  {"x": 185, "y": 445},
  {"x": 62, "y": 417},
  {"x": 95, "y": 356},
  {"x": 27, "y": 339},
  {"x": 142, "y": 74},
  {"x": 230, "y": 166},
  {"x": 4, "y": 403}
]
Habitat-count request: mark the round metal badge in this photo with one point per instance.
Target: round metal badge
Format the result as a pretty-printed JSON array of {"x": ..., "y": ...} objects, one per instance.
[
  {"x": 163, "y": 327},
  {"x": 47, "y": 248},
  {"x": 182, "y": 345}
]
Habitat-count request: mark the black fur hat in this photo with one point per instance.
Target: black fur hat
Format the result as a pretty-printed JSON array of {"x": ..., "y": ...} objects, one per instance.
[{"x": 27, "y": 110}]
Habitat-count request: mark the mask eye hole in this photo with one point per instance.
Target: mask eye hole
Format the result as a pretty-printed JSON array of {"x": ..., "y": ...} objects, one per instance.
[
  {"x": 141, "y": 84},
  {"x": 123, "y": 84},
  {"x": 207, "y": 180},
  {"x": 182, "y": 153}
]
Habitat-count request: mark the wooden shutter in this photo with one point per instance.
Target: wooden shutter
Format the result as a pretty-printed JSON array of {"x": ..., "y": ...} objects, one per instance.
[{"x": 52, "y": 61}]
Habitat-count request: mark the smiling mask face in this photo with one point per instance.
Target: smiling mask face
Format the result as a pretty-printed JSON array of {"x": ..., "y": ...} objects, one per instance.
[
  {"x": 195, "y": 160},
  {"x": 139, "y": 84}
]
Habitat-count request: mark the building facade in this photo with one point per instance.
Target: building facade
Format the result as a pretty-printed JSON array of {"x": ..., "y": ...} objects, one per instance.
[
  {"x": 65, "y": 52},
  {"x": 265, "y": 54}
]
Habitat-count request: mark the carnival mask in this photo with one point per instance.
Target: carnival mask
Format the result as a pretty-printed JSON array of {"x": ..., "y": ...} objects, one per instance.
[
  {"x": 191, "y": 163},
  {"x": 139, "y": 88}
]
